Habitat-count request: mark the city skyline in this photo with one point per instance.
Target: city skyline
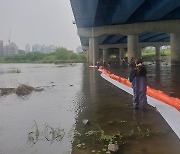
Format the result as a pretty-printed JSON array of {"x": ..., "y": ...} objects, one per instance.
[{"x": 38, "y": 21}]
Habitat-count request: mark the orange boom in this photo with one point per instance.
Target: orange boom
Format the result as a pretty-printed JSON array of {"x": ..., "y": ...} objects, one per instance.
[{"x": 157, "y": 94}]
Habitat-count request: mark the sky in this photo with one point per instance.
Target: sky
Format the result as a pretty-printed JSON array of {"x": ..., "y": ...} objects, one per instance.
[{"x": 38, "y": 22}]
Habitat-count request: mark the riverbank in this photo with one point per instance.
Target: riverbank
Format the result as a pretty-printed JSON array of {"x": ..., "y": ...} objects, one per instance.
[
  {"x": 61, "y": 55},
  {"x": 150, "y": 55}
]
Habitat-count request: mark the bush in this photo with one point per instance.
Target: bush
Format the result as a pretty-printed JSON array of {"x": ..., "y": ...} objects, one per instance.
[{"x": 60, "y": 55}]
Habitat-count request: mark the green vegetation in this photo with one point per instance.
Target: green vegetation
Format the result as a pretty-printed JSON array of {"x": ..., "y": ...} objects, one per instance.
[
  {"x": 89, "y": 140},
  {"x": 61, "y": 55},
  {"x": 149, "y": 54},
  {"x": 97, "y": 141}
]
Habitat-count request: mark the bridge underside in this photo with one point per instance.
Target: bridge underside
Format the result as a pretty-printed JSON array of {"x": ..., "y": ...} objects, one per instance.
[{"x": 128, "y": 24}]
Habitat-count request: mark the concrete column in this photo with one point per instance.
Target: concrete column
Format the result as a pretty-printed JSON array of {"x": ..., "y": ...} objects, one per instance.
[
  {"x": 105, "y": 54},
  {"x": 123, "y": 53},
  {"x": 94, "y": 50},
  {"x": 120, "y": 55},
  {"x": 158, "y": 53},
  {"x": 133, "y": 46},
  {"x": 89, "y": 56},
  {"x": 140, "y": 52},
  {"x": 175, "y": 47}
]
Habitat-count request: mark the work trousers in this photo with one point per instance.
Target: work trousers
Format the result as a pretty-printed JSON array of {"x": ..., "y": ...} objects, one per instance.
[{"x": 139, "y": 86}]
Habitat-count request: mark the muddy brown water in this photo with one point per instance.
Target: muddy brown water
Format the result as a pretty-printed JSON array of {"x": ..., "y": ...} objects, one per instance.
[{"x": 73, "y": 93}]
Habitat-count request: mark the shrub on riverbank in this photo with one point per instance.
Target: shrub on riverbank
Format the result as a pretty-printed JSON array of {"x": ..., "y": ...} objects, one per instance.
[
  {"x": 61, "y": 55},
  {"x": 150, "y": 55}
]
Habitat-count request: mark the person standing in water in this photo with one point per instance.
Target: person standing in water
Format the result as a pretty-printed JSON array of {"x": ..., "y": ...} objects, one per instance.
[{"x": 139, "y": 84}]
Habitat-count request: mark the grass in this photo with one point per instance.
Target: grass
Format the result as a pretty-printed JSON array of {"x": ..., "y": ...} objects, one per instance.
[
  {"x": 48, "y": 133},
  {"x": 150, "y": 55}
]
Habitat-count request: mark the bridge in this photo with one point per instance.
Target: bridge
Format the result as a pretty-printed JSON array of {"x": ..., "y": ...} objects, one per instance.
[{"x": 127, "y": 25}]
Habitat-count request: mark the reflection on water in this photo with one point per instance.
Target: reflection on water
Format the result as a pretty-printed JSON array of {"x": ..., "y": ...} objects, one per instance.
[
  {"x": 46, "y": 122},
  {"x": 161, "y": 75},
  {"x": 110, "y": 109},
  {"x": 165, "y": 77}
]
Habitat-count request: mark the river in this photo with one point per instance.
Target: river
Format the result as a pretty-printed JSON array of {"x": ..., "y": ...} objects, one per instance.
[{"x": 44, "y": 122}]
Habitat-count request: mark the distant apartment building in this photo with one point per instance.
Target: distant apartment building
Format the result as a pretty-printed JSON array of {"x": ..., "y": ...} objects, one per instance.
[
  {"x": 1, "y": 47},
  {"x": 27, "y": 48},
  {"x": 51, "y": 48},
  {"x": 48, "y": 49},
  {"x": 36, "y": 48},
  {"x": 43, "y": 48},
  {"x": 79, "y": 49},
  {"x": 21, "y": 52},
  {"x": 10, "y": 49}
]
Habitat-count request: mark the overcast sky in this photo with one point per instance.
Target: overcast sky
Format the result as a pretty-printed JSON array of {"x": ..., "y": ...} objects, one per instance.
[{"x": 38, "y": 22}]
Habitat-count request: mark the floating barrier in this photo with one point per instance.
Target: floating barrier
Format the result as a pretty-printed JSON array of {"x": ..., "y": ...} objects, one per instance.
[{"x": 157, "y": 94}]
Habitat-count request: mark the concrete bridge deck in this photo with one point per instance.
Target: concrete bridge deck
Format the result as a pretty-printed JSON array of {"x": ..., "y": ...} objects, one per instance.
[{"x": 131, "y": 24}]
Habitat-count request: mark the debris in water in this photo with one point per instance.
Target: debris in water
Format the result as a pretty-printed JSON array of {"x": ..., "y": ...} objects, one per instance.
[
  {"x": 6, "y": 91},
  {"x": 15, "y": 70},
  {"x": 86, "y": 121},
  {"x": 21, "y": 90},
  {"x": 24, "y": 89}
]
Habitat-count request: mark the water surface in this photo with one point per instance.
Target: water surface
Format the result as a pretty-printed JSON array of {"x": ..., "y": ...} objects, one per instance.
[{"x": 73, "y": 93}]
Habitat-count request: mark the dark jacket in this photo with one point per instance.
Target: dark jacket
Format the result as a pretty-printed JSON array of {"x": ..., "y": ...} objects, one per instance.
[
  {"x": 137, "y": 71},
  {"x": 141, "y": 71}
]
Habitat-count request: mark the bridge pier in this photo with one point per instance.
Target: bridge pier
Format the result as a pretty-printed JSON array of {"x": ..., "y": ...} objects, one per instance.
[
  {"x": 121, "y": 55},
  {"x": 158, "y": 53},
  {"x": 140, "y": 52},
  {"x": 105, "y": 54},
  {"x": 175, "y": 47},
  {"x": 133, "y": 46},
  {"x": 93, "y": 50},
  {"x": 87, "y": 55}
]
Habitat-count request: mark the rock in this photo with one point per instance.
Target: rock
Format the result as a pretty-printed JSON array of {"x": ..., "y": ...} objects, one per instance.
[
  {"x": 86, "y": 121},
  {"x": 113, "y": 147}
]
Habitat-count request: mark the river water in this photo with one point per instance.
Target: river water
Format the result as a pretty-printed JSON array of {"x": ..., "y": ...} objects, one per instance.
[{"x": 44, "y": 122}]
